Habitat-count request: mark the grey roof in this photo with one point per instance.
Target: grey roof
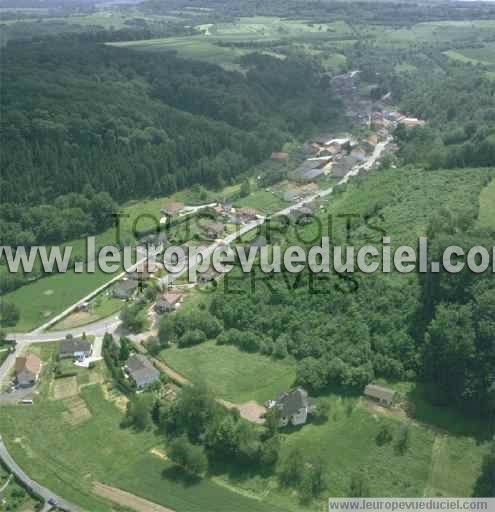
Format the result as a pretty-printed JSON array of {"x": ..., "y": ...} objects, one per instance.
[
  {"x": 292, "y": 401},
  {"x": 125, "y": 288},
  {"x": 25, "y": 378},
  {"x": 72, "y": 345},
  {"x": 344, "y": 165},
  {"x": 313, "y": 173},
  {"x": 142, "y": 371},
  {"x": 379, "y": 392}
]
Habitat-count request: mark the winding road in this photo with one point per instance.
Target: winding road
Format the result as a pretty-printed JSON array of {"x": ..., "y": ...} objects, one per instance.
[{"x": 50, "y": 498}]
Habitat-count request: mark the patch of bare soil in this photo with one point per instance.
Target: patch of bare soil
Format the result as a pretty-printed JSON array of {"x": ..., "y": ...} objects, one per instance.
[
  {"x": 250, "y": 411},
  {"x": 158, "y": 452},
  {"x": 127, "y": 499},
  {"x": 394, "y": 412}
]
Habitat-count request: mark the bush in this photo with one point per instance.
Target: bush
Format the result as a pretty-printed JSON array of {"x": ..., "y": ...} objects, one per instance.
[
  {"x": 190, "y": 457},
  {"x": 190, "y": 338},
  {"x": 384, "y": 435}
]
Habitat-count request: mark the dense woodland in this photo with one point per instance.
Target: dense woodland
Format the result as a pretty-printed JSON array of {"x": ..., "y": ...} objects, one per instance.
[{"x": 134, "y": 125}]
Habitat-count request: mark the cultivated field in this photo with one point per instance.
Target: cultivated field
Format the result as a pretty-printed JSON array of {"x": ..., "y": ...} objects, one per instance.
[{"x": 216, "y": 42}]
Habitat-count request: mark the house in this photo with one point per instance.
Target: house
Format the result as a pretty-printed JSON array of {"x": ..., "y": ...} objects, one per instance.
[
  {"x": 294, "y": 407},
  {"x": 384, "y": 396},
  {"x": 27, "y": 370},
  {"x": 246, "y": 214},
  {"x": 125, "y": 289},
  {"x": 167, "y": 302},
  {"x": 280, "y": 157},
  {"x": 343, "y": 166},
  {"x": 325, "y": 153},
  {"x": 172, "y": 209},
  {"x": 291, "y": 196},
  {"x": 75, "y": 348},
  {"x": 311, "y": 174},
  {"x": 338, "y": 144},
  {"x": 141, "y": 371},
  {"x": 214, "y": 230},
  {"x": 140, "y": 274},
  {"x": 310, "y": 149},
  {"x": 411, "y": 122},
  {"x": 310, "y": 169}
]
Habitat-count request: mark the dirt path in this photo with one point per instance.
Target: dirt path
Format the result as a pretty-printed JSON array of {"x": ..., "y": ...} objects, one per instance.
[
  {"x": 127, "y": 499},
  {"x": 172, "y": 374}
]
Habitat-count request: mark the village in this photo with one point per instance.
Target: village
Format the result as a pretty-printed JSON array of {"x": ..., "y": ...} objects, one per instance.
[{"x": 299, "y": 180}]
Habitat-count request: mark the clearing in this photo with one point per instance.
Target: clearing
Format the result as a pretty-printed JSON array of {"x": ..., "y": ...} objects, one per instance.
[{"x": 231, "y": 374}]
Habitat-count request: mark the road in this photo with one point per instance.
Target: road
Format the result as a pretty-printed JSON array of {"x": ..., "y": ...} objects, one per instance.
[
  {"x": 31, "y": 484},
  {"x": 111, "y": 324}
]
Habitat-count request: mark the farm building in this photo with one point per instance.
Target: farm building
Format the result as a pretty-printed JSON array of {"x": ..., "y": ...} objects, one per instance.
[
  {"x": 27, "y": 370},
  {"x": 76, "y": 348},
  {"x": 141, "y": 371},
  {"x": 384, "y": 396},
  {"x": 294, "y": 407}
]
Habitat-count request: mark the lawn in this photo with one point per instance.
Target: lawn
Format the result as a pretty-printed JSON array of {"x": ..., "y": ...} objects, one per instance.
[
  {"x": 230, "y": 373},
  {"x": 68, "y": 457},
  {"x": 45, "y": 298},
  {"x": 262, "y": 200}
]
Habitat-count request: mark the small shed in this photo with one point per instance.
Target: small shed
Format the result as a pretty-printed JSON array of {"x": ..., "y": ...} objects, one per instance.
[{"x": 384, "y": 396}]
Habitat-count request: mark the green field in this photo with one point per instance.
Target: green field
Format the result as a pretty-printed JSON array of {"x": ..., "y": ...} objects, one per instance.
[
  {"x": 485, "y": 55},
  {"x": 274, "y": 32},
  {"x": 68, "y": 458},
  {"x": 230, "y": 373},
  {"x": 347, "y": 442},
  {"x": 486, "y": 218},
  {"x": 47, "y": 297},
  {"x": 261, "y": 200},
  {"x": 438, "y": 463}
]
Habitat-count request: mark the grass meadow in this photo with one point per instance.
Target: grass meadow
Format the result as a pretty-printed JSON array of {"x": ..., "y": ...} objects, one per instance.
[
  {"x": 230, "y": 373},
  {"x": 67, "y": 447}
]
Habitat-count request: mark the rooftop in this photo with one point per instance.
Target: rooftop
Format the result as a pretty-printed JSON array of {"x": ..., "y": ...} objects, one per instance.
[{"x": 29, "y": 362}]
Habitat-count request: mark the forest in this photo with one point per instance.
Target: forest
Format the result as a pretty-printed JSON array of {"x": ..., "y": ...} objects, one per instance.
[{"x": 132, "y": 126}]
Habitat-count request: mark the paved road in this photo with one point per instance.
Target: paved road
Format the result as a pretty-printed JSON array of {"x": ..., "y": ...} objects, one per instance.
[
  {"x": 31, "y": 484},
  {"x": 112, "y": 323}
]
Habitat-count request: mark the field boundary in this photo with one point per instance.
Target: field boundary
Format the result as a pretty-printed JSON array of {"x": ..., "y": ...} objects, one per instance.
[{"x": 127, "y": 499}]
